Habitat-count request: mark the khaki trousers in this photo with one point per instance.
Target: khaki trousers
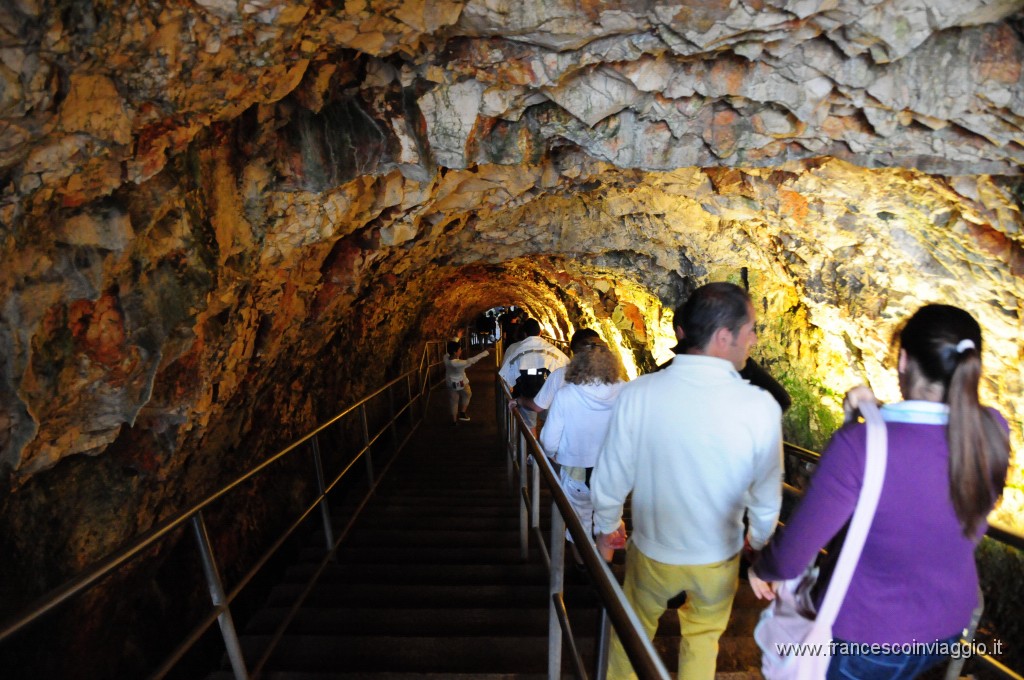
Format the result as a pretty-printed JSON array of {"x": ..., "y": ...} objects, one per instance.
[{"x": 710, "y": 589}]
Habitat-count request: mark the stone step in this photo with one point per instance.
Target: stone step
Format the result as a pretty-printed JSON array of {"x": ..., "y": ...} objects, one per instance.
[
  {"x": 412, "y": 621},
  {"x": 462, "y": 621},
  {"x": 498, "y": 498},
  {"x": 398, "y": 595},
  {"x": 455, "y": 521},
  {"x": 390, "y": 653},
  {"x": 395, "y": 512},
  {"x": 415, "y": 574},
  {"x": 408, "y": 555},
  {"x": 437, "y": 538},
  {"x": 458, "y": 654},
  {"x": 365, "y": 675}
]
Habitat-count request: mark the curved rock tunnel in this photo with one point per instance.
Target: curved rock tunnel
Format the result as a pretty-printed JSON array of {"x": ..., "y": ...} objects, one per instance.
[{"x": 223, "y": 220}]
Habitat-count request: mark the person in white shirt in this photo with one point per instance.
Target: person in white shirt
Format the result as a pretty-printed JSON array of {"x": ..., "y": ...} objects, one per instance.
[
  {"x": 456, "y": 381},
  {"x": 696, "y": 446},
  {"x": 542, "y": 401},
  {"x": 528, "y": 363},
  {"x": 578, "y": 420}
]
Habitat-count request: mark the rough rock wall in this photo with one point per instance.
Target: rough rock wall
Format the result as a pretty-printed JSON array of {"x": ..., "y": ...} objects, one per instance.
[{"x": 222, "y": 214}]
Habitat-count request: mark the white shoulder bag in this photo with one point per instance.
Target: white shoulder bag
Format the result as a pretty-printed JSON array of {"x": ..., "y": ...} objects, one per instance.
[{"x": 789, "y": 622}]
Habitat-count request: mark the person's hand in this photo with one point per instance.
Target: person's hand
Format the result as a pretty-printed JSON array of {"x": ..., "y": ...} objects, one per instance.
[
  {"x": 861, "y": 394},
  {"x": 762, "y": 589},
  {"x": 607, "y": 544},
  {"x": 749, "y": 554},
  {"x": 513, "y": 404}
]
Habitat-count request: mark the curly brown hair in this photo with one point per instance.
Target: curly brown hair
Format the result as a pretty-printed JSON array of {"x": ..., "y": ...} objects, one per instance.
[{"x": 594, "y": 364}]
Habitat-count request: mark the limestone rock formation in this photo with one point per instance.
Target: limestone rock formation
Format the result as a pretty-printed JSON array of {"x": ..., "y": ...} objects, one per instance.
[{"x": 223, "y": 214}]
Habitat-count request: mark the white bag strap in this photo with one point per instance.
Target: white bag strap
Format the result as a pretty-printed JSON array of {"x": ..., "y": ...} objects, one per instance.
[{"x": 863, "y": 515}]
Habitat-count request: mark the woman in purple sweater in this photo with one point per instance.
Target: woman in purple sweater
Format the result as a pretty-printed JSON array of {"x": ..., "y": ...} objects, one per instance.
[{"x": 916, "y": 580}]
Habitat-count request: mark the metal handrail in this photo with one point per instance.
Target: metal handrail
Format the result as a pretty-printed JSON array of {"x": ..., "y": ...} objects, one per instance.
[
  {"x": 996, "y": 531},
  {"x": 221, "y": 600},
  {"x": 563, "y": 345},
  {"x": 524, "y": 450}
]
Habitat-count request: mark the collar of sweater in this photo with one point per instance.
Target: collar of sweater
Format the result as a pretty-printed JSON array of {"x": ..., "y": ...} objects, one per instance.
[
  {"x": 689, "y": 362},
  {"x": 918, "y": 412}
]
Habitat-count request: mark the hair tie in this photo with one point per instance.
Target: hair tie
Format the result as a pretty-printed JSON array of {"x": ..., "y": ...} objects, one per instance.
[{"x": 964, "y": 345}]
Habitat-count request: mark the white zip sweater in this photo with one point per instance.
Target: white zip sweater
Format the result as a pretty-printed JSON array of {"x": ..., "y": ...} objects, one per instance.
[
  {"x": 577, "y": 422},
  {"x": 455, "y": 369},
  {"x": 696, "y": 445}
]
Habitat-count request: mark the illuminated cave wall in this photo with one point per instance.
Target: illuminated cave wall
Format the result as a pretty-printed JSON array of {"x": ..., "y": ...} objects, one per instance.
[{"x": 218, "y": 215}]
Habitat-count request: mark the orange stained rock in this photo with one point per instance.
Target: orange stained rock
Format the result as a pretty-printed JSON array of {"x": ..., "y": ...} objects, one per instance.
[
  {"x": 1002, "y": 58},
  {"x": 98, "y": 328},
  {"x": 723, "y": 132},
  {"x": 96, "y": 177},
  {"x": 728, "y": 75},
  {"x": 793, "y": 205},
  {"x": 94, "y": 107},
  {"x": 837, "y": 126},
  {"x": 633, "y": 314},
  {"x": 770, "y": 150}
]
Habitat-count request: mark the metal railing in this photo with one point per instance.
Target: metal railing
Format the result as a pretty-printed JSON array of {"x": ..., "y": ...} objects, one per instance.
[
  {"x": 559, "y": 343},
  {"x": 527, "y": 463},
  {"x": 797, "y": 458},
  {"x": 221, "y": 600}
]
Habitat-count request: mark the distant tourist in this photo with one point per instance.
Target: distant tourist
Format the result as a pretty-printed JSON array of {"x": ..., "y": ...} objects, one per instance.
[
  {"x": 456, "y": 381},
  {"x": 578, "y": 421},
  {"x": 542, "y": 400},
  {"x": 528, "y": 363}
]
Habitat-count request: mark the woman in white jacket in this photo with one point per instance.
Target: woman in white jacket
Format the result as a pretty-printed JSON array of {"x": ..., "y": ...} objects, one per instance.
[
  {"x": 456, "y": 381},
  {"x": 578, "y": 421}
]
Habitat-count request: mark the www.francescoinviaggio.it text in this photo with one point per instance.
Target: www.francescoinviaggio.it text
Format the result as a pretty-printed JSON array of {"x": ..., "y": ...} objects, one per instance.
[{"x": 955, "y": 650}]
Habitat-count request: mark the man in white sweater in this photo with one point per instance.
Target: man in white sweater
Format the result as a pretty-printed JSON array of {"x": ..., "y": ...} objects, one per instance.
[{"x": 696, "y": 445}]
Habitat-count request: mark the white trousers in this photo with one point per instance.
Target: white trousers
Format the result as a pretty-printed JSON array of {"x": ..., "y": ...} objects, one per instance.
[{"x": 458, "y": 400}]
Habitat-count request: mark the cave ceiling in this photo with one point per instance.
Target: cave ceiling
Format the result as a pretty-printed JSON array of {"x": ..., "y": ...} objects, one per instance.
[{"x": 200, "y": 201}]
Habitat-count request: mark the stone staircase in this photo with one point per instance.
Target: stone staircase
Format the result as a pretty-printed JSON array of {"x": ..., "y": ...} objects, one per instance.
[{"x": 429, "y": 584}]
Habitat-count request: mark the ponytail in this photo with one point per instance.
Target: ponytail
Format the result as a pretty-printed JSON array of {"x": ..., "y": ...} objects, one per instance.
[
  {"x": 944, "y": 343},
  {"x": 978, "y": 445}
]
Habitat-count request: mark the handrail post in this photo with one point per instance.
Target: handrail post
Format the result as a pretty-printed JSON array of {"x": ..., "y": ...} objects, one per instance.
[
  {"x": 426, "y": 389},
  {"x": 555, "y": 587},
  {"x": 321, "y": 488},
  {"x": 603, "y": 646},
  {"x": 534, "y": 494},
  {"x": 227, "y": 625},
  {"x": 524, "y": 519},
  {"x": 408, "y": 389},
  {"x": 508, "y": 422},
  {"x": 366, "y": 443},
  {"x": 394, "y": 420},
  {"x": 956, "y": 664}
]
